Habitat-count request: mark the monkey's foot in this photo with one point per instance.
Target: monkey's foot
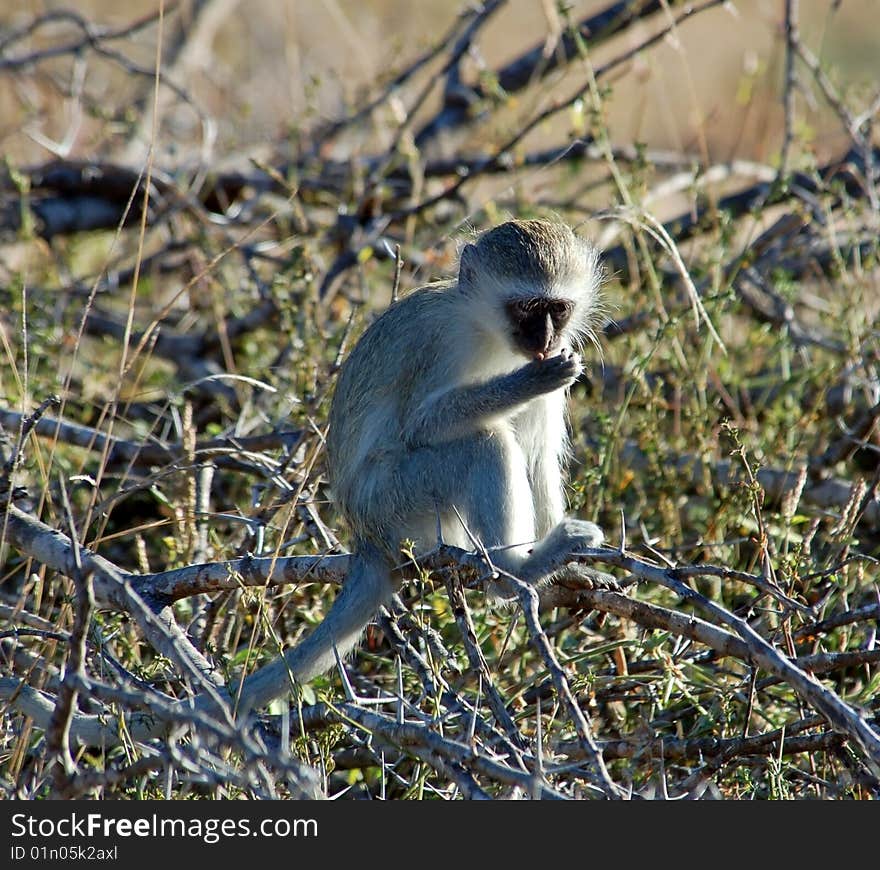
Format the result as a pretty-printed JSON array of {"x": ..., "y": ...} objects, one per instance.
[
  {"x": 600, "y": 580},
  {"x": 578, "y": 534},
  {"x": 575, "y": 576}
]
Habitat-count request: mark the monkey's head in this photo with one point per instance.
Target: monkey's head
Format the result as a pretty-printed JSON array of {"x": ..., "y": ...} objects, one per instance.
[{"x": 535, "y": 285}]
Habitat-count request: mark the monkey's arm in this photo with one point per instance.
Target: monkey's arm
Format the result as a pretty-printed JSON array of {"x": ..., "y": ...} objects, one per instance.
[{"x": 453, "y": 413}]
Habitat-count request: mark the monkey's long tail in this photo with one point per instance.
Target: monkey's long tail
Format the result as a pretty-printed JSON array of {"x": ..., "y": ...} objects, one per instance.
[{"x": 368, "y": 586}]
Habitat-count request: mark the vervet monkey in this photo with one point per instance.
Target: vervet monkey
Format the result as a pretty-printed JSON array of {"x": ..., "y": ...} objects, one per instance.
[{"x": 449, "y": 414}]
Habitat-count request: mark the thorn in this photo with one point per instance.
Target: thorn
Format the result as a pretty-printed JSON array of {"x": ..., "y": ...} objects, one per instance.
[{"x": 346, "y": 683}]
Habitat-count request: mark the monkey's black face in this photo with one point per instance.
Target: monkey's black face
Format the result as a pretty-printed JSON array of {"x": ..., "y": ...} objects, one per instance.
[{"x": 537, "y": 324}]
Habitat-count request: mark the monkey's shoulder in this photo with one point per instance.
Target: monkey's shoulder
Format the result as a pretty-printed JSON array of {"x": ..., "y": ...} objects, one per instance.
[
  {"x": 424, "y": 305},
  {"x": 411, "y": 325},
  {"x": 400, "y": 349}
]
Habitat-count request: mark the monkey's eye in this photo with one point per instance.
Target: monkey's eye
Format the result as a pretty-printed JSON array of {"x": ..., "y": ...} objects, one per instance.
[
  {"x": 560, "y": 311},
  {"x": 519, "y": 309}
]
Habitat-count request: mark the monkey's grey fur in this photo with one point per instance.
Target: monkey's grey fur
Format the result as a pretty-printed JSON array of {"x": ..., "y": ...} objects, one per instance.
[{"x": 452, "y": 407}]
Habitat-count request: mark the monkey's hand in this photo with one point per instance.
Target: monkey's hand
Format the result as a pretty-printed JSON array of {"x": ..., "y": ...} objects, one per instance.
[{"x": 556, "y": 373}]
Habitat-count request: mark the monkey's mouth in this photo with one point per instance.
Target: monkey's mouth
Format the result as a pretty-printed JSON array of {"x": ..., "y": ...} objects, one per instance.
[{"x": 541, "y": 351}]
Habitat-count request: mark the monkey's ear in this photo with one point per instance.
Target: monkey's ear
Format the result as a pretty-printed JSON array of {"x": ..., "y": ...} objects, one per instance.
[{"x": 467, "y": 270}]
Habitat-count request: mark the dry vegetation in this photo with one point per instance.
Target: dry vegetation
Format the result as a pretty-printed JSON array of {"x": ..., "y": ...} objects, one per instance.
[{"x": 182, "y": 268}]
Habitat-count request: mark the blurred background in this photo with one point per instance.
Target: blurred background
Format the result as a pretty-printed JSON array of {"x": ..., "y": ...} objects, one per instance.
[{"x": 263, "y": 69}]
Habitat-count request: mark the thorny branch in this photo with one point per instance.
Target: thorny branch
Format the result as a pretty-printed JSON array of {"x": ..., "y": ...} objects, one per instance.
[{"x": 60, "y": 553}]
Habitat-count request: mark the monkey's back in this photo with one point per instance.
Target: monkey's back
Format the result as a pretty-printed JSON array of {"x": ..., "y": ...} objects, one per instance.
[{"x": 395, "y": 363}]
